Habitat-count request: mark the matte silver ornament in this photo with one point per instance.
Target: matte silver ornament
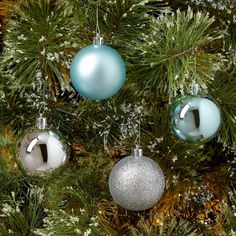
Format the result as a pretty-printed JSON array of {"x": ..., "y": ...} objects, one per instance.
[
  {"x": 136, "y": 182},
  {"x": 41, "y": 151}
]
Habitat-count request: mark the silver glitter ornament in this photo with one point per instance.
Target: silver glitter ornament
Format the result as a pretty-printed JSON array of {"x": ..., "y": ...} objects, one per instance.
[
  {"x": 41, "y": 150},
  {"x": 136, "y": 182}
]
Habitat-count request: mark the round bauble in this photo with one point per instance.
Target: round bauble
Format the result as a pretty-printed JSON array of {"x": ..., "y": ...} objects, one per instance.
[
  {"x": 136, "y": 183},
  {"x": 195, "y": 118},
  {"x": 97, "y": 72},
  {"x": 41, "y": 151}
]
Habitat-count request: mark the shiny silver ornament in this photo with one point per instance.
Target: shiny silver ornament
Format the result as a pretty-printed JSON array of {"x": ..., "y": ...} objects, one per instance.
[
  {"x": 136, "y": 182},
  {"x": 42, "y": 150}
]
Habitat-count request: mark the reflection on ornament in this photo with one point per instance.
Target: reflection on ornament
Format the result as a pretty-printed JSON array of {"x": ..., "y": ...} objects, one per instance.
[
  {"x": 42, "y": 151},
  {"x": 194, "y": 118},
  {"x": 97, "y": 71},
  {"x": 136, "y": 182}
]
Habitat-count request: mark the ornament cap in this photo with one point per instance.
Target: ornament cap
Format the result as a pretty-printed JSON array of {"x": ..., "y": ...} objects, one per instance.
[
  {"x": 195, "y": 89},
  {"x": 98, "y": 40},
  {"x": 42, "y": 122},
  {"x": 138, "y": 152}
]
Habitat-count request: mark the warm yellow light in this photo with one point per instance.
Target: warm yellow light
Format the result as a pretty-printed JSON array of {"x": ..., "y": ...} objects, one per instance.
[{"x": 159, "y": 222}]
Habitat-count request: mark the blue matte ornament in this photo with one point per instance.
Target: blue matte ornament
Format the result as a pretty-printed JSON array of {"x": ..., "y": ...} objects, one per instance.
[{"x": 97, "y": 71}]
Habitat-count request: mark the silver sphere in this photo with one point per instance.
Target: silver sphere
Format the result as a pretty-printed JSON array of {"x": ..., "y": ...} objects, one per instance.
[
  {"x": 42, "y": 151},
  {"x": 136, "y": 183}
]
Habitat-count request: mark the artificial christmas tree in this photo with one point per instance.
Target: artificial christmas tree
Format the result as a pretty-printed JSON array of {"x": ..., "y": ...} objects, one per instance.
[{"x": 167, "y": 46}]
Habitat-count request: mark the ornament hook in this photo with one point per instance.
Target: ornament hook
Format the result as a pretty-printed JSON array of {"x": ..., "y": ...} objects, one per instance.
[
  {"x": 97, "y": 22},
  {"x": 137, "y": 140},
  {"x": 98, "y": 39},
  {"x": 42, "y": 107},
  {"x": 195, "y": 85},
  {"x": 41, "y": 121},
  {"x": 138, "y": 152},
  {"x": 194, "y": 88}
]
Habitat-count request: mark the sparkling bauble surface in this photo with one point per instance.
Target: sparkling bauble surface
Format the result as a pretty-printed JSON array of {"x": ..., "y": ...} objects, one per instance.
[
  {"x": 41, "y": 151},
  {"x": 136, "y": 183},
  {"x": 97, "y": 72},
  {"x": 194, "y": 119}
]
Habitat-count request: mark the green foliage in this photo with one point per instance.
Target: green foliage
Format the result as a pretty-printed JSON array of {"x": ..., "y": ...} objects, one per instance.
[
  {"x": 228, "y": 214},
  {"x": 72, "y": 200},
  {"x": 77, "y": 186},
  {"x": 222, "y": 10},
  {"x": 165, "y": 53},
  {"x": 171, "y": 227},
  {"x": 5, "y": 141},
  {"x": 26, "y": 213},
  {"x": 61, "y": 223},
  {"x": 118, "y": 20},
  {"x": 61, "y": 206},
  {"x": 173, "y": 55},
  {"x": 224, "y": 90},
  {"x": 39, "y": 36}
]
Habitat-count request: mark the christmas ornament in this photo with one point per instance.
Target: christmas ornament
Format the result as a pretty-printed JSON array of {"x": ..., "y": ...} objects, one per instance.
[
  {"x": 136, "y": 182},
  {"x": 97, "y": 71},
  {"x": 195, "y": 118},
  {"x": 42, "y": 150}
]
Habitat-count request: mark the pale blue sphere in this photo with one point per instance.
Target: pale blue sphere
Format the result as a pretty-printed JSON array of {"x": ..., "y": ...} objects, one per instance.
[
  {"x": 97, "y": 72},
  {"x": 195, "y": 118}
]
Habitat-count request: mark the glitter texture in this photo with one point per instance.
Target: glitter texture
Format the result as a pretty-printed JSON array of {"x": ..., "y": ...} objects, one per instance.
[{"x": 136, "y": 183}]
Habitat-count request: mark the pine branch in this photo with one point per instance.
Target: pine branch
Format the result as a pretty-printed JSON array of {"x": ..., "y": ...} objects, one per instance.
[
  {"x": 71, "y": 201},
  {"x": 228, "y": 222},
  {"x": 222, "y": 10},
  {"x": 169, "y": 60},
  {"x": 171, "y": 227},
  {"x": 25, "y": 214},
  {"x": 224, "y": 90},
  {"x": 119, "y": 21},
  {"x": 44, "y": 33}
]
